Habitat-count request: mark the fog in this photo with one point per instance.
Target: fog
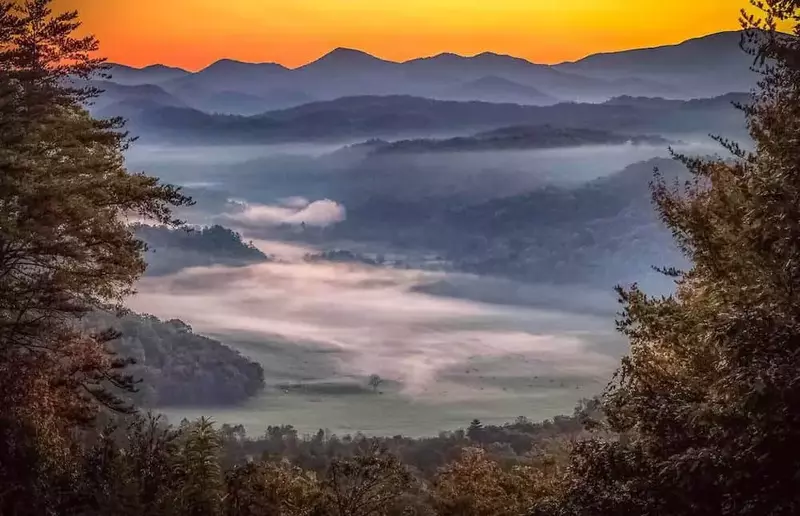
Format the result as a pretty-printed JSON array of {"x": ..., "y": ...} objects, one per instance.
[
  {"x": 266, "y": 174},
  {"x": 475, "y": 177},
  {"x": 450, "y": 320},
  {"x": 325, "y": 325}
]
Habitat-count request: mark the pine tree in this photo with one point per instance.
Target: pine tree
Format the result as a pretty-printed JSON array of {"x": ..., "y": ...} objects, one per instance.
[
  {"x": 199, "y": 470},
  {"x": 707, "y": 404},
  {"x": 65, "y": 247}
]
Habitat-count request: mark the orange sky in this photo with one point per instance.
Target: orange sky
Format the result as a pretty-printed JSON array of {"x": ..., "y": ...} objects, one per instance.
[{"x": 194, "y": 33}]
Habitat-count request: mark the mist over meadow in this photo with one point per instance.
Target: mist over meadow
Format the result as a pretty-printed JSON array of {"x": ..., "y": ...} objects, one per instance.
[
  {"x": 348, "y": 290},
  {"x": 459, "y": 236},
  {"x": 320, "y": 330}
]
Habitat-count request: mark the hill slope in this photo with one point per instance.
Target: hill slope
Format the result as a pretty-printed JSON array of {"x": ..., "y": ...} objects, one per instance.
[
  {"x": 703, "y": 66},
  {"x": 355, "y": 117},
  {"x": 492, "y": 88},
  {"x": 178, "y": 367}
]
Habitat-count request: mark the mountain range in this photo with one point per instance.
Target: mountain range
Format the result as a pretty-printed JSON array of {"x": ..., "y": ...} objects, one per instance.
[
  {"x": 393, "y": 116},
  {"x": 703, "y": 67}
]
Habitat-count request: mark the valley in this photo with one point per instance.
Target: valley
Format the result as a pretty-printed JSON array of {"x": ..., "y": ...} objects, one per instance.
[{"x": 461, "y": 242}]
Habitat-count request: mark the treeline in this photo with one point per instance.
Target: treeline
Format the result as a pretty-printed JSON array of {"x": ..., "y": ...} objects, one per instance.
[
  {"x": 519, "y": 442},
  {"x": 523, "y": 137},
  {"x": 701, "y": 418},
  {"x": 342, "y": 256},
  {"x": 141, "y": 465},
  {"x": 170, "y": 250}
]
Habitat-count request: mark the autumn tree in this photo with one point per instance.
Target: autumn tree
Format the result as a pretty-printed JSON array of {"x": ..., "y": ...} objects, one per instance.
[
  {"x": 128, "y": 470},
  {"x": 278, "y": 489},
  {"x": 476, "y": 485},
  {"x": 707, "y": 403},
  {"x": 65, "y": 247},
  {"x": 368, "y": 484}
]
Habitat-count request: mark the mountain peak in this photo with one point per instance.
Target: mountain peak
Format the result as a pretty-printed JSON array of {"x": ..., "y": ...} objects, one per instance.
[
  {"x": 233, "y": 64},
  {"x": 162, "y": 68},
  {"x": 504, "y": 58},
  {"x": 494, "y": 80},
  {"x": 451, "y": 56},
  {"x": 226, "y": 61},
  {"x": 489, "y": 55},
  {"x": 346, "y": 51},
  {"x": 503, "y": 88},
  {"x": 344, "y": 57}
]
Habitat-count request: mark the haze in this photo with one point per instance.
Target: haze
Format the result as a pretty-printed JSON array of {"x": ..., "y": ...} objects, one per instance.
[{"x": 454, "y": 225}]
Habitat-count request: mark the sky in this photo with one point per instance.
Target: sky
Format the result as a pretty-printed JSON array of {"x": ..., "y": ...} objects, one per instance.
[{"x": 194, "y": 33}]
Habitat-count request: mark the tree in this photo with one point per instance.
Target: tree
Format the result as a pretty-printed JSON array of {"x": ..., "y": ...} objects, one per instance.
[
  {"x": 706, "y": 406},
  {"x": 375, "y": 381},
  {"x": 199, "y": 470},
  {"x": 65, "y": 248},
  {"x": 367, "y": 484},
  {"x": 273, "y": 488},
  {"x": 475, "y": 485},
  {"x": 475, "y": 430},
  {"x": 129, "y": 470}
]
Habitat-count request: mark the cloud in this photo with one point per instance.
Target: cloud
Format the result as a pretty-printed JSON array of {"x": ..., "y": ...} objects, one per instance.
[
  {"x": 296, "y": 202},
  {"x": 292, "y": 211}
]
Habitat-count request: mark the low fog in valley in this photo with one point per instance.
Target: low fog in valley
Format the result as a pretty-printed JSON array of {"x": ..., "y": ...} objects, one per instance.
[
  {"x": 321, "y": 329},
  {"x": 462, "y": 250},
  {"x": 450, "y": 340}
]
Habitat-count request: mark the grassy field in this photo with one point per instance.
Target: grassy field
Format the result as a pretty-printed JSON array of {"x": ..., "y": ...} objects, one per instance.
[{"x": 320, "y": 331}]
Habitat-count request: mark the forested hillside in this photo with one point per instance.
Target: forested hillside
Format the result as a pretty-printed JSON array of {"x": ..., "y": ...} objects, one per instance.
[
  {"x": 175, "y": 366},
  {"x": 170, "y": 250}
]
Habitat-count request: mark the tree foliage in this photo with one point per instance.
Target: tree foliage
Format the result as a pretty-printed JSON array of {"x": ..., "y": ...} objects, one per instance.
[
  {"x": 175, "y": 366},
  {"x": 367, "y": 484},
  {"x": 273, "y": 488},
  {"x": 170, "y": 250},
  {"x": 476, "y": 485},
  {"x": 707, "y": 403},
  {"x": 198, "y": 468},
  {"x": 64, "y": 246}
]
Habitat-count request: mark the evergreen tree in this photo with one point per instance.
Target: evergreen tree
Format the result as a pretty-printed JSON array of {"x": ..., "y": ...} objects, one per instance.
[
  {"x": 199, "y": 470},
  {"x": 65, "y": 247},
  {"x": 707, "y": 404}
]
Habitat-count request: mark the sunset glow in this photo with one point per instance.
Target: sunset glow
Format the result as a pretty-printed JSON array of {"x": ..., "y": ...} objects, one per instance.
[{"x": 195, "y": 33}]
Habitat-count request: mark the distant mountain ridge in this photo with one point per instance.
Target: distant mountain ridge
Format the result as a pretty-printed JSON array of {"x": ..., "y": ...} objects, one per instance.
[
  {"x": 701, "y": 67},
  {"x": 399, "y": 115},
  {"x": 153, "y": 74},
  {"x": 704, "y": 65},
  {"x": 516, "y": 138},
  {"x": 498, "y": 89}
]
